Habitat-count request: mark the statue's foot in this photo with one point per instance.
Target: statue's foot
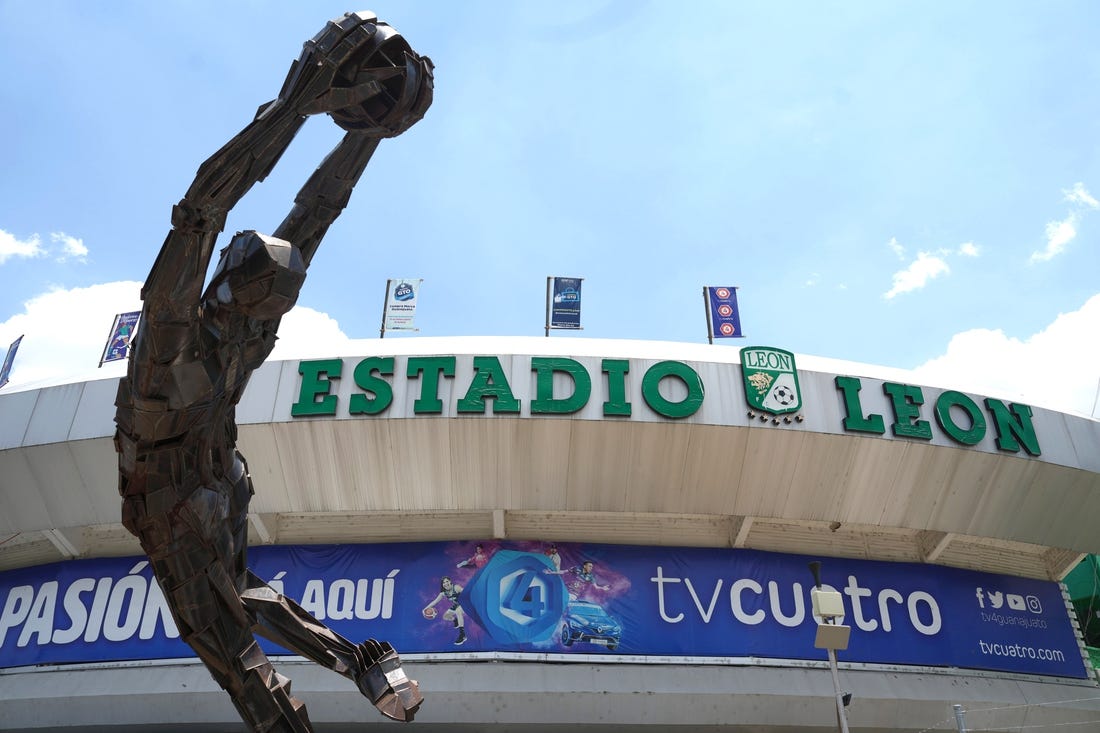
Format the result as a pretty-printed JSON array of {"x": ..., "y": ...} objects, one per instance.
[{"x": 384, "y": 683}]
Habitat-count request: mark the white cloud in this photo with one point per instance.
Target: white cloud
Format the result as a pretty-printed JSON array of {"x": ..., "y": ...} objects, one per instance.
[
  {"x": 12, "y": 246},
  {"x": 926, "y": 267},
  {"x": 62, "y": 247},
  {"x": 1079, "y": 195},
  {"x": 896, "y": 248},
  {"x": 306, "y": 332},
  {"x": 65, "y": 332},
  {"x": 1059, "y": 234},
  {"x": 1056, "y": 368},
  {"x": 70, "y": 246}
]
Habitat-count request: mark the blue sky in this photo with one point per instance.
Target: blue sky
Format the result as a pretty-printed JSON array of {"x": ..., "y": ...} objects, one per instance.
[{"x": 907, "y": 184}]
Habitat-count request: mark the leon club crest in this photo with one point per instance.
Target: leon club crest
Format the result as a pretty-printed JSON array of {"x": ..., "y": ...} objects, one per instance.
[{"x": 771, "y": 381}]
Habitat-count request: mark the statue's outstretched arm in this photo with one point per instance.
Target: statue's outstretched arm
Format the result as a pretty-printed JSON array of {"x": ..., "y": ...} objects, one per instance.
[
  {"x": 326, "y": 193},
  {"x": 349, "y": 70}
]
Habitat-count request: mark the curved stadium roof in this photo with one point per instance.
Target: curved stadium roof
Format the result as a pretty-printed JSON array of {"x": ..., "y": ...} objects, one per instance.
[{"x": 716, "y": 477}]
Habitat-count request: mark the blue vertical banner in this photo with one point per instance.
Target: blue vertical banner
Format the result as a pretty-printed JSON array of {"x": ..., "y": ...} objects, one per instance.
[
  {"x": 723, "y": 317},
  {"x": 118, "y": 343},
  {"x": 563, "y": 302},
  {"x": 8, "y": 361}
]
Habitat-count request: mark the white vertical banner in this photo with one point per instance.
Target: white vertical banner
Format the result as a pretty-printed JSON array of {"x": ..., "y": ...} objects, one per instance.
[{"x": 399, "y": 313}]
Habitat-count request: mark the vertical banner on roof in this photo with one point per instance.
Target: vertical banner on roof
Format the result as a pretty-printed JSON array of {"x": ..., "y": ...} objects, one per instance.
[
  {"x": 8, "y": 361},
  {"x": 723, "y": 318},
  {"x": 399, "y": 310},
  {"x": 563, "y": 303},
  {"x": 118, "y": 343}
]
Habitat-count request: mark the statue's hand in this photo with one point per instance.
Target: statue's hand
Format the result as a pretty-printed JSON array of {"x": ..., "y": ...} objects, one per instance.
[
  {"x": 364, "y": 74},
  {"x": 382, "y": 680}
]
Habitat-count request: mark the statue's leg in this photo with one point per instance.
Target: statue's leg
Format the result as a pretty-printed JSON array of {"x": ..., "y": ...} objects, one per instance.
[
  {"x": 373, "y": 666},
  {"x": 187, "y": 554},
  {"x": 212, "y": 621}
]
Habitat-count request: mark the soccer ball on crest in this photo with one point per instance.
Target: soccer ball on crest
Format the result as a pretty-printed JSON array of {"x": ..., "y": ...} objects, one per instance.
[{"x": 784, "y": 395}]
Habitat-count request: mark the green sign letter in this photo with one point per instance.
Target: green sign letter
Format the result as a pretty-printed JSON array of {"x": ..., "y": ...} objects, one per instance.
[
  {"x": 967, "y": 436},
  {"x": 360, "y": 404},
  {"x": 431, "y": 367},
  {"x": 1012, "y": 432},
  {"x": 685, "y": 374},
  {"x": 854, "y": 419},
  {"x": 616, "y": 370},
  {"x": 544, "y": 401},
  {"x": 314, "y": 386},
  {"x": 488, "y": 381},
  {"x": 907, "y": 400}
]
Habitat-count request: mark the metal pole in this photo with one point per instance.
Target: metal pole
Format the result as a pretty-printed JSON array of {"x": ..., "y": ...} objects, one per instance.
[
  {"x": 706, "y": 309},
  {"x": 960, "y": 718},
  {"x": 548, "y": 296},
  {"x": 385, "y": 305},
  {"x": 841, "y": 717}
]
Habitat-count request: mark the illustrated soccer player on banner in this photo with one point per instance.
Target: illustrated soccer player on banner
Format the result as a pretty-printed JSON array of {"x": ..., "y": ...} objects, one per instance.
[
  {"x": 451, "y": 591},
  {"x": 185, "y": 488},
  {"x": 580, "y": 579},
  {"x": 552, "y": 553},
  {"x": 121, "y": 340}
]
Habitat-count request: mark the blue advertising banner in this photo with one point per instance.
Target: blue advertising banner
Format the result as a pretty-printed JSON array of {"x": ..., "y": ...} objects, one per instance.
[
  {"x": 565, "y": 302},
  {"x": 9, "y": 359},
  {"x": 723, "y": 316},
  {"x": 568, "y": 598},
  {"x": 118, "y": 343}
]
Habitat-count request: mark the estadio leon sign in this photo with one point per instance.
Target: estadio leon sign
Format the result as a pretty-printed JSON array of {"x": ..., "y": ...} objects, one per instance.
[{"x": 769, "y": 391}]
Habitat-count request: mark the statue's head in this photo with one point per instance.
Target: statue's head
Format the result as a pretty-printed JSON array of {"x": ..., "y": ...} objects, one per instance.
[
  {"x": 258, "y": 275},
  {"x": 404, "y": 81}
]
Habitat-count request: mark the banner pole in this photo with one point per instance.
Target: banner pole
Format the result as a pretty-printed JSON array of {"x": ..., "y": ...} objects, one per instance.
[
  {"x": 385, "y": 305},
  {"x": 549, "y": 287},
  {"x": 737, "y": 302},
  {"x": 706, "y": 309}
]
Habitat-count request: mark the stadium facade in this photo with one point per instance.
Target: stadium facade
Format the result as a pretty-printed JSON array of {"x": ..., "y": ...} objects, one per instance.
[{"x": 629, "y": 524}]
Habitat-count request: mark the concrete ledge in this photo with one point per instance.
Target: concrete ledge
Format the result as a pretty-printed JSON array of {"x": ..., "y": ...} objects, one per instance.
[{"x": 548, "y": 698}]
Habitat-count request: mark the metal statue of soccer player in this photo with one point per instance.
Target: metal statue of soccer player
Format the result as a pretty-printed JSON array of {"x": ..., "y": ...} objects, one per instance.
[{"x": 185, "y": 488}]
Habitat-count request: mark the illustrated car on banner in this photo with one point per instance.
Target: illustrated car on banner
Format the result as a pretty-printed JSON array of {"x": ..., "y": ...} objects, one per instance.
[{"x": 584, "y": 621}]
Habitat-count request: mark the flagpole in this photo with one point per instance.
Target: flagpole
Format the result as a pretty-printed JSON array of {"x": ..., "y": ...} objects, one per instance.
[
  {"x": 710, "y": 324},
  {"x": 385, "y": 305},
  {"x": 548, "y": 296}
]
